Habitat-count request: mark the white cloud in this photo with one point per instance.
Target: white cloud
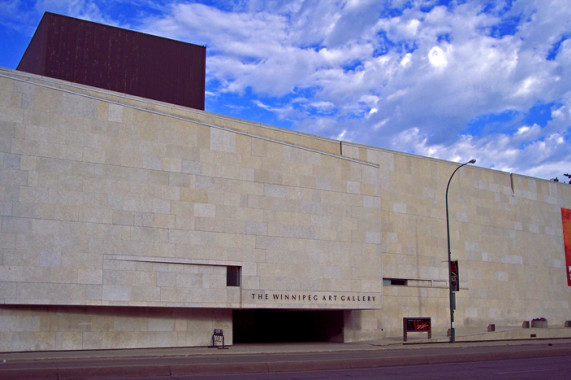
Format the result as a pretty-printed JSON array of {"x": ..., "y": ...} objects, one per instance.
[
  {"x": 341, "y": 136},
  {"x": 526, "y": 87},
  {"x": 380, "y": 124},
  {"x": 413, "y": 81},
  {"x": 405, "y": 61},
  {"x": 412, "y": 27},
  {"x": 84, "y": 9},
  {"x": 526, "y": 132},
  {"x": 323, "y": 107},
  {"x": 437, "y": 57}
]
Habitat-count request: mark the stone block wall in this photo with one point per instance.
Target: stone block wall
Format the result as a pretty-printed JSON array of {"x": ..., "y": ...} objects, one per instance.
[
  {"x": 506, "y": 234},
  {"x": 48, "y": 328},
  {"x": 110, "y": 200}
]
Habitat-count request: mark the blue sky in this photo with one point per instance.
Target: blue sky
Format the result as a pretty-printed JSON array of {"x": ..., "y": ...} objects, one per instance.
[{"x": 454, "y": 80}]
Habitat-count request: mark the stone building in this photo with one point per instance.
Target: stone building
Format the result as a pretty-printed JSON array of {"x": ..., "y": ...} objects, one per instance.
[{"x": 130, "y": 222}]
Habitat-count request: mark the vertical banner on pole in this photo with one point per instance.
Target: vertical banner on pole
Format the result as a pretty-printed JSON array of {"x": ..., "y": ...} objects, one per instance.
[
  {"x": 454, "y": 279},
  {"x": 566, "y": 219}
]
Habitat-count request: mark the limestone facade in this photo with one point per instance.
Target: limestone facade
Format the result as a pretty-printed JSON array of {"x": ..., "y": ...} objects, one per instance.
[
  {"x": 506, "y": 233},
  {"x": 124, "y": 219}
]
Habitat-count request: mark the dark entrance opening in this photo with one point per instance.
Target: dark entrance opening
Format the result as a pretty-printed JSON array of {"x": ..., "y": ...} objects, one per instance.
[{"x": 280, "y": 326}]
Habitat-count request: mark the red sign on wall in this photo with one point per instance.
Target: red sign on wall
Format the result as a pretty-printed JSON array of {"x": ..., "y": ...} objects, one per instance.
[{"x": 566, "y": 218}]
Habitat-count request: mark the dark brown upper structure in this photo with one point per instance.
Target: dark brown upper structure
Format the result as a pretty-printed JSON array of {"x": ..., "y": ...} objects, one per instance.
[{"x": 117, "y": 59}]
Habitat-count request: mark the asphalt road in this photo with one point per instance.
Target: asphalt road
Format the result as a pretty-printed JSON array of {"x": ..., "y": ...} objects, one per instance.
[
  {"x": 426, "y": 361},
  {"x": 521, "y": 369}
]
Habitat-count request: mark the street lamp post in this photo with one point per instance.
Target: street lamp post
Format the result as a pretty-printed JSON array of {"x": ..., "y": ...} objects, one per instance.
[{"x": 451, "y": 293}]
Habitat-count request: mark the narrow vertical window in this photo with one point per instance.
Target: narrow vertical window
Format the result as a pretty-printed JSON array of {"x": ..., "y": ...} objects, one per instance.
[{"x": 232, "y": 276}]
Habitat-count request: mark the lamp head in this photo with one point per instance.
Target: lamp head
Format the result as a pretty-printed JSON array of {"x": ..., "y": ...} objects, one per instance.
[{"x": 472, "y": 161}]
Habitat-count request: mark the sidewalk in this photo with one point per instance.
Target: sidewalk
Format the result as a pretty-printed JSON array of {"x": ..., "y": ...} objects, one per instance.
[{"x": 466, "y": 338}]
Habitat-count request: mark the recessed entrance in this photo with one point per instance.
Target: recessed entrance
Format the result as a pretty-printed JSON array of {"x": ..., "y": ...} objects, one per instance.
[{"x": 265, "y": 326}]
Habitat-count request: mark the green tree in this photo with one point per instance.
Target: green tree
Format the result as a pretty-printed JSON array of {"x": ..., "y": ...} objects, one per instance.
[{"x": 556, "y": 179}]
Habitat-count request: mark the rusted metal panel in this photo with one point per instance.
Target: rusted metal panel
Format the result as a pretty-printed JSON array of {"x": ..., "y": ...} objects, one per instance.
[{"x": 117, "y": 59}]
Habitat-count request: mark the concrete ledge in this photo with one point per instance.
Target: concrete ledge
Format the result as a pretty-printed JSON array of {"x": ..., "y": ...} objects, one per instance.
[{"x": 519, "y": 333}]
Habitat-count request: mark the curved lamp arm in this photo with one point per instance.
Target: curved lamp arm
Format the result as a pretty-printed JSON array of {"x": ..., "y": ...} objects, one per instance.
[{"x": 452, "y": 306}]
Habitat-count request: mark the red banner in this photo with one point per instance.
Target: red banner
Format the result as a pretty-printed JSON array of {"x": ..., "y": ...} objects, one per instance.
[
  {"x": 454, "y": 276},
  {"x": 566, "y": 218}
]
